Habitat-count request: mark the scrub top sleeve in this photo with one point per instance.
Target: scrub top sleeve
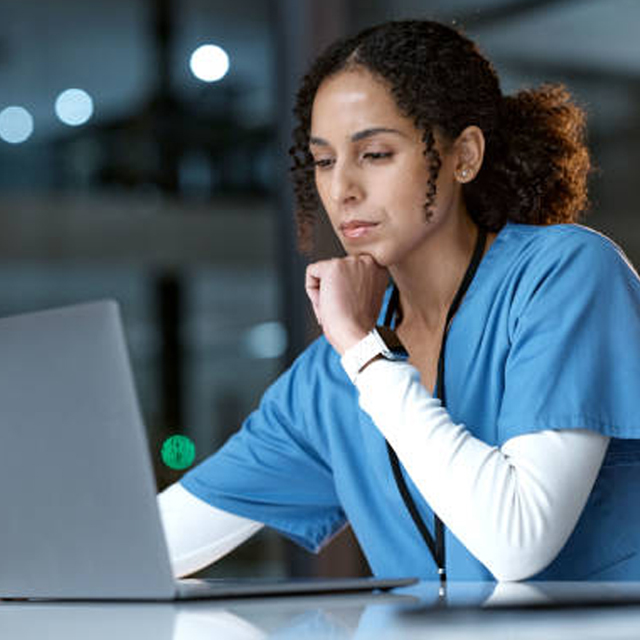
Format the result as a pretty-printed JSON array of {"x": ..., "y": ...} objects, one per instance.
[
  {"x": 274, "y": 469},
  {"x": 574, "y": 327}
]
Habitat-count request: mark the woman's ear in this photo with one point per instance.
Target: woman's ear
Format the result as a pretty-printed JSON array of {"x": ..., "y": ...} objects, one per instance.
[{"x": 469, "y": 150}]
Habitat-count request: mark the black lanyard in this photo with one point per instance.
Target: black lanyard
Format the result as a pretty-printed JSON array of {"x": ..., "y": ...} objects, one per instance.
[{"x": 436, "y": 547}]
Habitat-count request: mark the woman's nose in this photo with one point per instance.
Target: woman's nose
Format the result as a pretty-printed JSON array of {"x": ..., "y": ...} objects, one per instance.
[{"x": 345, "y": 185}]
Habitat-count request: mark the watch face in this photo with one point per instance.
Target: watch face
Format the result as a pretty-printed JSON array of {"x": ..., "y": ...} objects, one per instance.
[{"x": 178, "y": 452}]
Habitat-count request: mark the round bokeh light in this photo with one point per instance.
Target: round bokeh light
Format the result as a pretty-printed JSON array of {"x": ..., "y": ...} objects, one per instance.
[
  {"x": 178, "y": 452},
  {"x": 74, "y": 107},
  {"x": 16, "y": 125},
  {"x": 209, "y": 63}
]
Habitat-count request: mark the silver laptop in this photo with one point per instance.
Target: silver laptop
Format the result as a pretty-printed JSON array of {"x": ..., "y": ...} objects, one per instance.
[{"x": 79, "y": 517}]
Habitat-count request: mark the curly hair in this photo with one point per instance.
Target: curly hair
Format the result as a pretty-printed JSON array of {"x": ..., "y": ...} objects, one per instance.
[{"x": 536, "y": 162}]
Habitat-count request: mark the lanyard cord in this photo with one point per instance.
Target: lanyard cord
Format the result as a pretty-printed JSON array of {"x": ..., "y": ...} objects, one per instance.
[{"x": 436, "y": 547}]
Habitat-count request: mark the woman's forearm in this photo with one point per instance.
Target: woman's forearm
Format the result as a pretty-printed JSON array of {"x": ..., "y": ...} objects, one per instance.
[
  {"x": 513, "y": 506},
  {"x": 197, "y": 533}
]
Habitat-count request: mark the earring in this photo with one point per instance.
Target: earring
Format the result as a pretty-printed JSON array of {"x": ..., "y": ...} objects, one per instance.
[{"x": 463, "y": 174}]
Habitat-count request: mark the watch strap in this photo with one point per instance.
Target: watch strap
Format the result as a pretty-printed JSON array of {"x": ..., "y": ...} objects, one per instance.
[{"x": 372, "y": 345}]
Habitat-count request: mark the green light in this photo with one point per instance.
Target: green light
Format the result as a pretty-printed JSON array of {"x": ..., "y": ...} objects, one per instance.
[{"x": 178, "y": 452}]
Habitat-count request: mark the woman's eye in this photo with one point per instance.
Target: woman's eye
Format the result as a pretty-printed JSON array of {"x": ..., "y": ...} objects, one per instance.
[
  {"x": 322, "y": 163},
  {"x": 377, "y": 155}
]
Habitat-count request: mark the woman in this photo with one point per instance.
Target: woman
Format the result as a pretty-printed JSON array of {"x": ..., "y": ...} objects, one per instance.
[{"x": 487, "y": 432}]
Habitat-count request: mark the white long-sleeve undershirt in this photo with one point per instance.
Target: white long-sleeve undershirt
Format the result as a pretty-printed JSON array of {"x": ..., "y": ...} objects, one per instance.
[
  {"x": 197, "y": 533},
  {"x": 513, "y": 506}
]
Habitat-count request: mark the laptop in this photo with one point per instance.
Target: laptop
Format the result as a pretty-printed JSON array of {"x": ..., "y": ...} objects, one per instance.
[{"x": 80, "y": 518}]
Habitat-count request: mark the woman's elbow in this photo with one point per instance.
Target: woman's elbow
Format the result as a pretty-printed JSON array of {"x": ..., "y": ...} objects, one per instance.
[{"x": 515, "y": 565}]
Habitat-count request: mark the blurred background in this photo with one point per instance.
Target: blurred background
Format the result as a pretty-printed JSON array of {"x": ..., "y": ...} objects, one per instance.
[{"x": 143, "y": 157}]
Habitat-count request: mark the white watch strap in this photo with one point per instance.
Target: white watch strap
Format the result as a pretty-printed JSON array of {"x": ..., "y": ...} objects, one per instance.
[{"x": 355, "y": 357}]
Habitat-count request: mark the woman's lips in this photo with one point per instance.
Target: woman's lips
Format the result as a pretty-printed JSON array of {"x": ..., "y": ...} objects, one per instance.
[{"x": 356, "y": 228}]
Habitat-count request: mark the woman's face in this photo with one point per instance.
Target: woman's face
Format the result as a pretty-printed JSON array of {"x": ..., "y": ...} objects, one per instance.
[{"x": 370, "y": 170}]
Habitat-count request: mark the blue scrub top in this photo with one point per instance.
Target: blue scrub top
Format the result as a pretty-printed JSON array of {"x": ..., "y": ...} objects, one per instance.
[{"x": 547, "y": 337}]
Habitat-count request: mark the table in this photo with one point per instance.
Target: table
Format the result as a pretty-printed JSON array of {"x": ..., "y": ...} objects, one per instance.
[{"x": 478, "y": 610}]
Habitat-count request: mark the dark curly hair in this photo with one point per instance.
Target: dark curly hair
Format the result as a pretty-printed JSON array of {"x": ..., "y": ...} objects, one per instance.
[{"x": 536, "y": 162}]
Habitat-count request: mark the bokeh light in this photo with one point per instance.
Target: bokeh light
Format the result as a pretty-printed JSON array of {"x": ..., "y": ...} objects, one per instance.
[
  {"x": 74, "y": 107},
  {"x": 178, "y": 452},
  {"x": 16, "y": 124},
  {"x": 266, "y": 340},
  {"x": 209, "y": 63}
]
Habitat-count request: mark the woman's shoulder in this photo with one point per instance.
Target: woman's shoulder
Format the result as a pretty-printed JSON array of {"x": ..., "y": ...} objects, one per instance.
[
  {"x": 533, "y": 263},
  {"x": 558, "y": 244},
  {"x": 566, "y": 234}
]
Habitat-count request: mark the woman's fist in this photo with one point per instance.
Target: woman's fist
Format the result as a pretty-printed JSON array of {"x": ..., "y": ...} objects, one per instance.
[{"x": 346, "y": 294}]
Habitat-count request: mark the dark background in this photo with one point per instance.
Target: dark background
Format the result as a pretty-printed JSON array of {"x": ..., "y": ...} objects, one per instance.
[{"x": 174, "y": 199}]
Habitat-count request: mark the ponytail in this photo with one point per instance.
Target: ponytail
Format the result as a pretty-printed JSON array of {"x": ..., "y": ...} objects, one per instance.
[{"x": 536, "y": 170}]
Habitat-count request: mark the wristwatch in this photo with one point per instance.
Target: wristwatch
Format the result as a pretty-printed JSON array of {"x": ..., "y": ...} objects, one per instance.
[{"x": 379, "y": 342}]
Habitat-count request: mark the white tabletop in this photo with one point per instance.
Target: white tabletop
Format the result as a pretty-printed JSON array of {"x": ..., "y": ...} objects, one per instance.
[{"x": 472, "y": 610}]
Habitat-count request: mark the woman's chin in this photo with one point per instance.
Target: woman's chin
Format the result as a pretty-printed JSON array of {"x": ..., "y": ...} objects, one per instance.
[
  {"x": 364, "y": 249},
  {"x": 378, "y": 256}
]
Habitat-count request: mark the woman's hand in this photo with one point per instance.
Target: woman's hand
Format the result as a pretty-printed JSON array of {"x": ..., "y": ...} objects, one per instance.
[{"x": 346, "y": 294}]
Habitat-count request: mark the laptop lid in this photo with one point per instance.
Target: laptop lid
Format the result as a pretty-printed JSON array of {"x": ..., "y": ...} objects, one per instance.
[
  {"x": 80, "y": 519},
  {"x": 77, "y": 492}
]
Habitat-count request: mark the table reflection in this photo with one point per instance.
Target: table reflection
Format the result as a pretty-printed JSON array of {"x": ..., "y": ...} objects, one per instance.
[
  {"x": 240, "y": 619},
  {"x": 410, "y": 612}
]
